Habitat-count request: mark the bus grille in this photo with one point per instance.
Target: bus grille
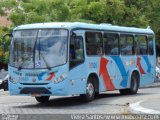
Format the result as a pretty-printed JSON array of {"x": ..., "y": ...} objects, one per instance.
[
  {"x": 34, "y": 90},
  {"x": 34, "y": 83}
]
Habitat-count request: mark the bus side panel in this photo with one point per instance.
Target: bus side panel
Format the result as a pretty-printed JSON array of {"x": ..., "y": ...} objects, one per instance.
[
  {"x": 111, "y": 72},
  {"x": 104, "y": 68},
  {"x": 115, "y": 71},
  {"x": 76, "y": 81},
  {"x": 129, "y": 62},
  {"x": 78, "y": 76},
  {"x": 108, "y": 71},
  {"x": 148, "y": 69},
  {"x": 124, "y": 65}
]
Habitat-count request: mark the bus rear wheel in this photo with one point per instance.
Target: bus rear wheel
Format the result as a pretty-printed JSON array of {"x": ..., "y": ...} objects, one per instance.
[
  {"x": 42, "y": 99},
  {"x": 133, "y": 86},
  {"x": 90, "y": 91}
]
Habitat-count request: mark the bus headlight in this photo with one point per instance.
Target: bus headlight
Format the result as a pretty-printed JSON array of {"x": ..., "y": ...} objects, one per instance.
[
  {"x": 12, "y": 80},
  {"x": 60, "y": 78}
]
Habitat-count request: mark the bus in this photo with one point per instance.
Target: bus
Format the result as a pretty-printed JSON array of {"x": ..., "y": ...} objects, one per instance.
[{"x": 74, "y": 58}]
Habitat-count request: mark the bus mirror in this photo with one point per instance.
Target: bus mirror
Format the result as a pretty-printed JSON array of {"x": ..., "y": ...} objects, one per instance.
[
  {"x": 4, "y": 38},
  {"x": 6, "y": 35},
  {"x": 4, "y": 46}
]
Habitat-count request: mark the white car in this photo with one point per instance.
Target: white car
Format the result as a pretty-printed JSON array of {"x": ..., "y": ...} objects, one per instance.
[{"x": 4, "y": 80}]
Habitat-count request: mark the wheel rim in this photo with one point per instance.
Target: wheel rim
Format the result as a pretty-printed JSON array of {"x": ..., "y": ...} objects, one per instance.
[{"x": 90, "y": 89}]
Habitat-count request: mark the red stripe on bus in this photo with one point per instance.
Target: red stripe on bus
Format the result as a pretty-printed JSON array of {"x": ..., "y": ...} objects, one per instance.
[
  {"x": 51, "y": 76},
  {"x": 104, "y": 72},
  {"x": 139, "y": 65}
]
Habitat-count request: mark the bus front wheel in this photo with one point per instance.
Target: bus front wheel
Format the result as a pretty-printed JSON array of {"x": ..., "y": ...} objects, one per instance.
[
  {"x": 90, "y": 91},
  {"x": 42, "y": 99},
  {"x": 133, "y": 86}
]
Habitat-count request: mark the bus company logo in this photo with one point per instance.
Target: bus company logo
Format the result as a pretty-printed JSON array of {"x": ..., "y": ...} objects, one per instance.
[
  {"x": 46, "y": 76},
  {"x": 130, "y": 63},
  {"x": 92, "y": 65}
]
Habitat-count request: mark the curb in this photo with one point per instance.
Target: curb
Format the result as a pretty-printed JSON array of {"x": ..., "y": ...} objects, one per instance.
[{"x": 138, "y": 109}]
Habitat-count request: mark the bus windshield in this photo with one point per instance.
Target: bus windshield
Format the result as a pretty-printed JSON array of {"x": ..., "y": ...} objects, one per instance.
[{"x": 41, "y": 48}]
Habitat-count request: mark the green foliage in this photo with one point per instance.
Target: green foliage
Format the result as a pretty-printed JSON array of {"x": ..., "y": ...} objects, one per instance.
[
  {"x": 33, "y": 17},
  {"x": 96, "y": 11},
  {"x": 17, "y": 17},
  {"x": 139, "y": 13},
  {"x": 78, "y": 9}
]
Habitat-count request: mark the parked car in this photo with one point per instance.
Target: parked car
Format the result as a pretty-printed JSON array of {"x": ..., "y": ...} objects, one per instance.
[
  {"x": 157, "y": 72},
  {"x": 4, "y": 80}
]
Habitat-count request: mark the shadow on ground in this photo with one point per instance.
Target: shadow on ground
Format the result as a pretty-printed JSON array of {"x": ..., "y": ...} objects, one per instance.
[{"x": 77, "y": 101}]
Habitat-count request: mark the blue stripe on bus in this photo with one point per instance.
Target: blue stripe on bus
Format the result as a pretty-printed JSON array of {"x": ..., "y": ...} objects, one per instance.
[
  {"x": 122, "y": 70},
  {"x": 41, "y": 75},
  {"x": 148, "y": 64}
]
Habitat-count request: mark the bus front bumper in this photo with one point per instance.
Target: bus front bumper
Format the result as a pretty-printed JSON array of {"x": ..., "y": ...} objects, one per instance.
[{"x": 39, "y": 90}]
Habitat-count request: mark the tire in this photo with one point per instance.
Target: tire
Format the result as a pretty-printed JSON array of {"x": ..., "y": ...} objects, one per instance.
[
  {"x": 133, "y": 86},
  {"x": 42, "y": 99},
  {"x": 5, "y": 85},
  {"x": 90, "y": 91}
]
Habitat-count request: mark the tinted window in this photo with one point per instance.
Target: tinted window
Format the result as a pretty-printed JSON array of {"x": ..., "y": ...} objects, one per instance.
[
  {"x": 76, "y": 52},
  {"x": 141, "y": 45},
  {"x": 126, "y": 44},
  {"x": 94, "y": 43},
  {"x": 111, "y": 43},
  {"x": 76, "y": 48},
  {"x": 150, "y": 45}
]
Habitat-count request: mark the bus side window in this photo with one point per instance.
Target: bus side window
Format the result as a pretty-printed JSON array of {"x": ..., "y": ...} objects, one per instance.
[
  {"x": 137, "y": 50},
  {"x": 111, "y": 43},
  {"x": 76, "y": 51},
  {"x": 141, "y": 45},
  {"x": 94, "y": 43},
  {"x": 150, "y": 45},
  {"x": 126, "y": 44},
  {"x": 79, "y": 52}
]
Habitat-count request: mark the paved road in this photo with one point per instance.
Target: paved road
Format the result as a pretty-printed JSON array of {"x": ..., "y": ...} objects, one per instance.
[{"x": 106, "y": 103}]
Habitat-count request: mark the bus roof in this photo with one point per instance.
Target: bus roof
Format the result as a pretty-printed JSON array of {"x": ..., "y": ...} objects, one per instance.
[{"x": 79, "y": 25}]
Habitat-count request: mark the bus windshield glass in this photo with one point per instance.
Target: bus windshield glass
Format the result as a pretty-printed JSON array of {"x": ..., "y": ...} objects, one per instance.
[{"x": 42, "y": 48}]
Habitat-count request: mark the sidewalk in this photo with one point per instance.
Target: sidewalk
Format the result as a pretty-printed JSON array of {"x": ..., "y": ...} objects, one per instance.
[{"x": 4, "y": 93}]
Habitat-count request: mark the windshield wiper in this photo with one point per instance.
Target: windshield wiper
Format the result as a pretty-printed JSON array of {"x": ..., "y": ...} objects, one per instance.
[
  {"x": 34, "y": 49},
  {"x": 40, "y": 54},
  {"x": 34, "y": 52},
  {"x": 46, "y": 63}
]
